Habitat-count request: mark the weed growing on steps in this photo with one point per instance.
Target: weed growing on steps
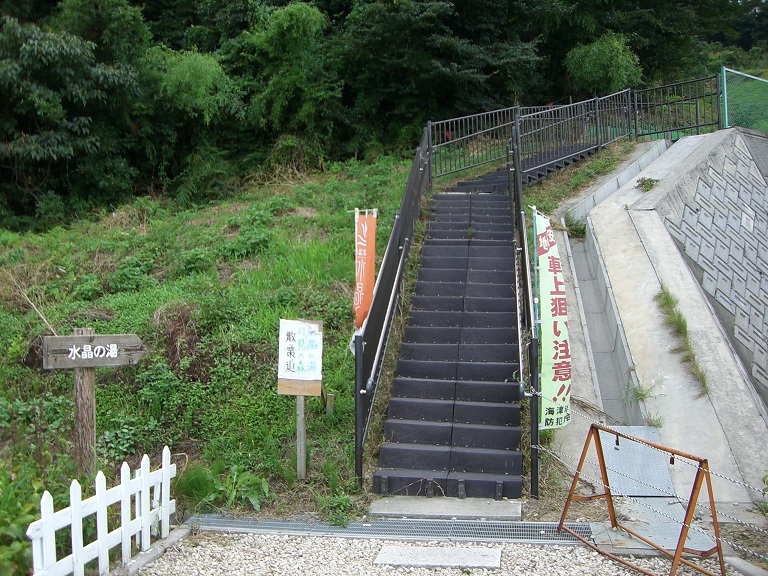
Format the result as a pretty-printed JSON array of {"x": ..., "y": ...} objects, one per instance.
[{"x": 674, "y": 318}]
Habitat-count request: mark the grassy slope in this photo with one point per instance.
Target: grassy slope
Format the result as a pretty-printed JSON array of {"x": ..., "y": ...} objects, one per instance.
[{"x": 205, "y": 290}]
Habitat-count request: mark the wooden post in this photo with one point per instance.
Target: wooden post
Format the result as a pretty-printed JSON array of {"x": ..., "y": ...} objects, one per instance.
[
  {"x": 85, "y": 414},
  {"x": 301, "y": 440}
]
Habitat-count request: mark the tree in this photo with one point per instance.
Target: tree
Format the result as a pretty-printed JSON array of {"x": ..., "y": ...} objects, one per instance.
[
  {"x": 604, "y": 66},
  {"x": 423, "y": 69},
  {"x": 289, "y": 83},
  {"x": 51, "y": 87},
  {"x": 116, "y": 29}
]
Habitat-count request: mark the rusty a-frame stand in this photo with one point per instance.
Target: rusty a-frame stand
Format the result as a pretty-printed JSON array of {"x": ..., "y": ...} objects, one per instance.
[{"x": 702, "y": 475}]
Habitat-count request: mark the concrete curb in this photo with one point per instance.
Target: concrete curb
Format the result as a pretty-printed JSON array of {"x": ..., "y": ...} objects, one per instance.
[
  {"x": 744, "y": 567},
  {"x": 142, "y": 559},
  {"x": 580, "y": 210}
]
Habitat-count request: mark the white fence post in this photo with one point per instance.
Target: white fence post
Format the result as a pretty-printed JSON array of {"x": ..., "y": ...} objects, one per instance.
[{"x": 151, "y": 509}]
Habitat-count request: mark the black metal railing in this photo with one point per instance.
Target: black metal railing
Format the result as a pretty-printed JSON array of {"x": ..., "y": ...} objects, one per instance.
[
  {"x": 371, "y": 343},
  {"x": 533, "y": 140},
  {"x": 677, "y": 110}
]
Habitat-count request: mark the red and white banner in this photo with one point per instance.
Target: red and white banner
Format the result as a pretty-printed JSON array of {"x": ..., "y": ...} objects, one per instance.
[{"x": 365, "y": 263}]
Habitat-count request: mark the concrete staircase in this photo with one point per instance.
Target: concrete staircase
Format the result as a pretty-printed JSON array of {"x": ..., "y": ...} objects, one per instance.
[{"x": 453, "y": 423}]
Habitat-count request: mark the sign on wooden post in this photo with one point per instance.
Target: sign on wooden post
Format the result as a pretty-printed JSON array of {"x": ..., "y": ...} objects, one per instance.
[
  {"x": 300, "y": 374},
  {"x": 85, "y": 351}
]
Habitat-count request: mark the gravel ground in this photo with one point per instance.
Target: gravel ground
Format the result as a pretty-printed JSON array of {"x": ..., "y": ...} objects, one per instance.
[{"x": 210, "y": 554}]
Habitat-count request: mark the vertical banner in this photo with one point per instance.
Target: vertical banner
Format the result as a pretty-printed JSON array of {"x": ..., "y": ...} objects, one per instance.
[
  {"x": 365, "y": 263},
  {"x": 555, "y": 376}
]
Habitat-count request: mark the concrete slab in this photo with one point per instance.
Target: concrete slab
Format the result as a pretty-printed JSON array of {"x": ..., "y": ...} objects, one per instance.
[
  {"x": 439, "y": 557},
  {"x": 639, "y": 254},
  {"x": 636, "y": 469},
  {"x": 660, "y": 520},
  {"x": 446, "y": 508}
]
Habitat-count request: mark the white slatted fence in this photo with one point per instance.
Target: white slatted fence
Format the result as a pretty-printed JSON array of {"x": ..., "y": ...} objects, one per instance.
[{"x": 145, "y": 506}]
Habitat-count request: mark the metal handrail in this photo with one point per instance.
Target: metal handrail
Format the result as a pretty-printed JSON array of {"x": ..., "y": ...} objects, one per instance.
[{"x": 534, "y": 134}]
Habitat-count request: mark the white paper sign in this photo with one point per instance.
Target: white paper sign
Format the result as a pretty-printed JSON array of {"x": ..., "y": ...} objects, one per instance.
[{"x": 301, "y": 350}]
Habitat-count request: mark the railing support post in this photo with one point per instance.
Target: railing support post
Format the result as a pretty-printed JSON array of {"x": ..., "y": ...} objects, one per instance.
[
  {"x": 518, "y": 166},
  {"x": 360, "y": 394},
  {"x": 430, "y": 150},
  {"x": 598, "y": 137},
  {"x": 534, "y": 369}
]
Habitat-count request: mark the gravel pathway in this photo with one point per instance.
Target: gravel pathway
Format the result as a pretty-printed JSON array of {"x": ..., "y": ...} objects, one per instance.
[{"x": 210, "y": 554}]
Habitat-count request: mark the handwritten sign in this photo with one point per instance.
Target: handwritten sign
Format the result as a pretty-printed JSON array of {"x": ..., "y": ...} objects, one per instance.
[
  {"x": 96, "y": 351},
  {"x": 300, "y": 357}
]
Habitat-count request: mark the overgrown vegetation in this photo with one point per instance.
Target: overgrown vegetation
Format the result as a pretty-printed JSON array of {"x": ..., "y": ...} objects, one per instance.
[
  {"x": 675, "y": 319},
  {"x": 646, "y": 184},
  {"x": 204, "y": 289},
  {"x": 105, "y": 100}
]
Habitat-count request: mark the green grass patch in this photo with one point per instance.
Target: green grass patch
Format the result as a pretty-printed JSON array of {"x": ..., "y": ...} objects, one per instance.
[
  {"x": 674, "y": 318},
  {"x": 204, "y": 289},
  {"x": 548, "y": 194}
]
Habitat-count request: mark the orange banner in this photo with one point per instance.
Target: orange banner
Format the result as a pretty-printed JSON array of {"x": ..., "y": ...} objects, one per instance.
[{"x": 365, "y": 263}]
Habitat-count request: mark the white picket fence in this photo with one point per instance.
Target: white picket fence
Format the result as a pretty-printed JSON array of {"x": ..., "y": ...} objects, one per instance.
[{"x": 147, "y": 495}]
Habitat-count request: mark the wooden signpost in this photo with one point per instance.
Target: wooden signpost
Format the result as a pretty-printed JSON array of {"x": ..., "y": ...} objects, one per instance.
[
  {"x": 300, "y": 374},
  {"x": 85, "y": 351}
]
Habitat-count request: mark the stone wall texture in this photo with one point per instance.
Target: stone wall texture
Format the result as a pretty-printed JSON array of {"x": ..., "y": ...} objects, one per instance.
[{"x": 719, "y": 217}]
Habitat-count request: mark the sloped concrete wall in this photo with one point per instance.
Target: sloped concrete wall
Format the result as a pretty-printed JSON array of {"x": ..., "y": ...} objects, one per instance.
[{"x": 718, "y": 214}]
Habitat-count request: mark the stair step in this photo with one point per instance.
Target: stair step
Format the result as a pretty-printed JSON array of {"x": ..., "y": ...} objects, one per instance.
[
  {"x": 434, "y": 275},
  {"x": 441, "y": 289},
  {"x": 433, "y": 389},
  {"x": 443, "y": 251},
  {"x": 430, "y": 352},
  {"x": 438, "y": 303},
  {"x": 494, "y": 392},
  {"x": 437, "y": 319},
  {"x": 421, "y": 409},
  {"x": 503, "y": 353},
  {"x": 436, "y": 483},
  {"x": 437, "y": 226},
  {"x": 476, "y": 319},
  {"x": 493, "y": 304},
  {"x": 486, "y": 461},
  {"x": 428, "y": 369},
  {"x": 491, "y": 413},
  {"x": 490, "y": 251},
  {"x": 444, "y": 262},
  {"x": 410, "y": 482},
  {"x": 419, "y": 432},
  {"x": 505, "y": 335},
  {"x": 439, "y": 335},
  {"x": 484, "y": 436},
  {"x": 394, "y": 455},
  {"x": 486, "y": 263},
  {"x": 490, "y": 277},
  {"x": 459, "y": 215},
  {"x": 490, "y": 371},
  {"x": 478, "y": 290},
  {"x": 473, "y": 485}
]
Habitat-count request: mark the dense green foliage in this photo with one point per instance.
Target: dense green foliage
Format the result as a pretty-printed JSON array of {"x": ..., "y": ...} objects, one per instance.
[{"x": 104, "y": 100}]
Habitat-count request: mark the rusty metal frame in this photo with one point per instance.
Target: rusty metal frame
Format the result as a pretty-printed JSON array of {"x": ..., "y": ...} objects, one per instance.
[{"x": 702, "y": 476}]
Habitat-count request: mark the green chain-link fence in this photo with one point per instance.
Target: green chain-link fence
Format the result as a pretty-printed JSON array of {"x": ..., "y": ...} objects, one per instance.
[{"x": 745, "y": 101}]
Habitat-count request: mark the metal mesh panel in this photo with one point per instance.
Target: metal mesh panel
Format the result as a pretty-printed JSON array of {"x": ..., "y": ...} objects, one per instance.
[
  {"x": 745, "y": 100},
  {"x": 407, "y": 529}
]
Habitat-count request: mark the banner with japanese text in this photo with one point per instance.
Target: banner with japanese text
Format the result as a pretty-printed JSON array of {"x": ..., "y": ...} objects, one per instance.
[
  {"x": 365, "y": 263},
  {"x": 555, "y": 374}
]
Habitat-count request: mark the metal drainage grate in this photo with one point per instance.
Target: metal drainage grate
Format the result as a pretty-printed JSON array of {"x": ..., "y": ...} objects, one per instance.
[{"x": 406, "y": 528}]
